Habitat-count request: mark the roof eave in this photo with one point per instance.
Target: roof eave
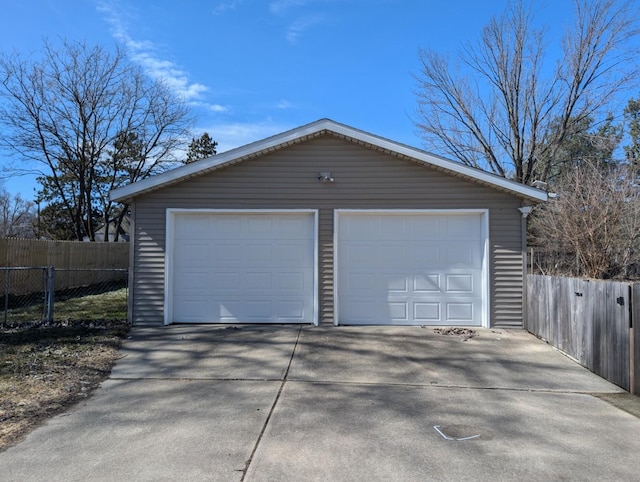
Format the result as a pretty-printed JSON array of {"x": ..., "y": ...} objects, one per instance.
[{"x": 314, "y": 129}]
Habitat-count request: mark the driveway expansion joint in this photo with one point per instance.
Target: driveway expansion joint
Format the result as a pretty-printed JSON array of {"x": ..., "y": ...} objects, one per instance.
[
  {"x": 196, "y": 379},
  {"x": 273, "y": 406},
  {"x": 456, "y": 387}
]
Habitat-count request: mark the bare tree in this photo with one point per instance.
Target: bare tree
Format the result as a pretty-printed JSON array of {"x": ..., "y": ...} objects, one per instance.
[
  {"x": 496, "y": 107},
  {"x": 594, "y": 222},
  {"x": 17, "y": 216},
  {"x": 65, "y": 112}
]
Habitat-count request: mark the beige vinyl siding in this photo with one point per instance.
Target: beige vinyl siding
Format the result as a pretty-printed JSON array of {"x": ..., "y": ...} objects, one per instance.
[
  {"x": 148, "y": 272},
  {"x": 506, "y": 274},
  {"x": 325, "y": 265},
  {"x": 364, "y": 179}
]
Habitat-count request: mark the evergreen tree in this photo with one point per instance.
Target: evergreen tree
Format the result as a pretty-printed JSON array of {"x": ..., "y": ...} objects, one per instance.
[
  {"x": 632, "y": 117},
  {"x": 201, "y": 148}
]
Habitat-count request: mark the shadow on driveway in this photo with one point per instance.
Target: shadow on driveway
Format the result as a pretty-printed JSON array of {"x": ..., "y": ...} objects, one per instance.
[{"x": 336, "y": 403}]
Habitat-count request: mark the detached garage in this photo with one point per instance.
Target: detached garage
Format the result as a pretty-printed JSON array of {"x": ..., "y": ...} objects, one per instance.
[{"x": 326, "y": 224}]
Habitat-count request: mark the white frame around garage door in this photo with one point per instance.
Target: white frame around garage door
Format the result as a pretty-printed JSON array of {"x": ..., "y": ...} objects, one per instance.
[
  {"x": 171, "y": 214},
  {"x": 484, "y": 213}
]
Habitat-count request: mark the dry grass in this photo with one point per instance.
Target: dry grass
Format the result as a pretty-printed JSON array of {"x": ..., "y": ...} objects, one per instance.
[
  {"x": 45, "y": 370},
  {"x": 111, "y": 305}
]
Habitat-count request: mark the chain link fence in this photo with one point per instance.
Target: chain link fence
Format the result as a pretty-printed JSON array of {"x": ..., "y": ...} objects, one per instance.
[
  {"x": 32, "y": 296},
  {"x": 548, "y": 261}
]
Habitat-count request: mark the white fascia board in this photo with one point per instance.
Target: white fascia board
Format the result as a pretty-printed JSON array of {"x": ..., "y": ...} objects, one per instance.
[
  {"x": 280, "y": 140},
  {"x": 213, "y": 162},
  {"x": 447, "y": 164}
]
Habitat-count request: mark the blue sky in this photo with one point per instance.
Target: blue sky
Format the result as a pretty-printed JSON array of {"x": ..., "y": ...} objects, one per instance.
[{"x": 253, "y": 68}]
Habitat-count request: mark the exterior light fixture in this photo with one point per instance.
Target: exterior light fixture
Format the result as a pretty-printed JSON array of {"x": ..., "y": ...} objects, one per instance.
[{"x": 325, "y": 177}]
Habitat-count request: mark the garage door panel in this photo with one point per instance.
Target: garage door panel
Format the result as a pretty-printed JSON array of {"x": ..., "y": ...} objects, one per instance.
[
  {"x": 393, "y": 254},
  {"x": 426, "y": 283},
  {"x": 460, "y": 312},
  {"x": 399, "y": 312},
  {"x": 362, "y": 282},
  {"x": 227, "y": 227},
  {"x": 397, "y": 283},
  {"x": 224, "y": 280},
  {"x": 227, "y": 310},
  {"x": 197, "y": 281},
  {"x": 192, "y": 227},
  {"x": 430, "y": 273},
  {"x": 362, "y": 228},
  {"x": 247, "y": 268},
  {"x": 425, "y": 227},
  {"x": 461, "y": 227},
  {"x": 259, "y": 282},
  {"x": 192, "y": 253},
  {"x": 427, "y": 312},
  {"x": 290, "y": 229},
  {"x": 258, "y": 310},
  {"x": 425, "y": 257},
  {"x": 259, "y": 253},
  {"x": 191, "y": 308},
  {"x": 459, "y": 283},
  {"x": 392, "y": 228},
  {"x": 460, "y": 254},
  {"x": 291, "y": 281},
  {"x": 223, "y": 254},
  {"x": 291, "y": 310},
  {"x": 259, "y": 226},
  {"x": 293, "y": 254},
  {"x": 358, "y": 255},
  {"x": 364, "y": 310}
]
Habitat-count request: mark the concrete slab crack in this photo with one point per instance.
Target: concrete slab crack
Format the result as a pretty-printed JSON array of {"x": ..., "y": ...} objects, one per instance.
[{"x": 271, "y": 410}]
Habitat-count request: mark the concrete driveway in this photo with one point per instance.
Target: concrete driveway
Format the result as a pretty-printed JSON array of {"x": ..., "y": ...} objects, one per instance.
[{"x": 276, "y": 403}]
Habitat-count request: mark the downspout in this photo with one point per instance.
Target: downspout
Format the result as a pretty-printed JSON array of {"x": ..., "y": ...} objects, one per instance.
[{"x": 525, "y": 211}]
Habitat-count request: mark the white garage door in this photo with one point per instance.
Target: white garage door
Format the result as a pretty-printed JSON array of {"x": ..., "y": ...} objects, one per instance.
[
  {"x": 410, "y": 268},
  {"x": 242, "y": 268}
]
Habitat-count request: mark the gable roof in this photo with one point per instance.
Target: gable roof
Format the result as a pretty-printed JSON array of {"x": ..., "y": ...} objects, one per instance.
[{"x": 316, "y": 129}]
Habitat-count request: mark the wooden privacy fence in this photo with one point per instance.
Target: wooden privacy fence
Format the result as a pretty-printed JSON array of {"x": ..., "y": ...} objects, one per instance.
[
  {"x": 591, "y": 321},
  {"x": 76, "y": 263},
  {"x": 63, "y": 254}
]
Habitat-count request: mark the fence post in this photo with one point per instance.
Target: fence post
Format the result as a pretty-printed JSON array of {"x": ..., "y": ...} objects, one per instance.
[
  {"x": 6, "y": 295},
  {"x": 634, "y": 348},
  {"x": 51, "y": 274}
]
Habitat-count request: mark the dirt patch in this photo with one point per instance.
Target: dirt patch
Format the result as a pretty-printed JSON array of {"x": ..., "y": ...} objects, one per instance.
[
  {"x": 46, "y": 370},
  {"x": 464, "y": 333}
]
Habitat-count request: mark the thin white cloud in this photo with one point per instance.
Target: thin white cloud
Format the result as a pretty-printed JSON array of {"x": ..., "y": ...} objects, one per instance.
[
  {"x": 280, "y": 6},
  {"x": 217, "y": 108},
  {"x": 236, "y": 134},
  {"x": 301, "y": 25},
  {"x": 302, "y": 22},
  {"x": 143, "y": 52},
  {"x": 223, "y": 7},
  {"x": 167, "y": 72},
  {"x": 284, "y": 104}
]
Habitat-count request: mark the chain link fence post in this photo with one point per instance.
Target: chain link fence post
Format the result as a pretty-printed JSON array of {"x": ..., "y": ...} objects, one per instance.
[
  {"x": 6, "y": 296},
  {"x": 48, "y": 295},
  {"x": 51, "y": 285}
]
